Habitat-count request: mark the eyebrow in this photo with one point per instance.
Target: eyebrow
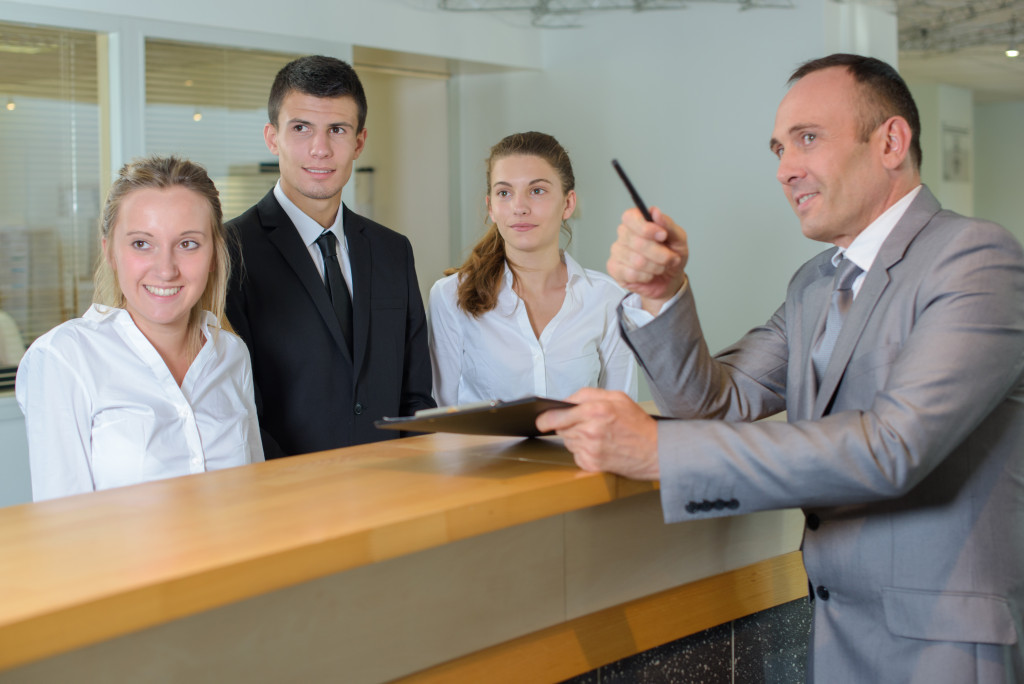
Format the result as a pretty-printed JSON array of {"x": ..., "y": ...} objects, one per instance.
[
  {"x": 535, "y": 180},
  {"x": 343, "y": 124}
]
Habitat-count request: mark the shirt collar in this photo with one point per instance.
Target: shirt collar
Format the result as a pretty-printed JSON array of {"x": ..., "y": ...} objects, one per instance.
[
  {"x": 310, "y": 230},
  {"x": 573, "y": 270},
  {"x": 864, "y": 248}
]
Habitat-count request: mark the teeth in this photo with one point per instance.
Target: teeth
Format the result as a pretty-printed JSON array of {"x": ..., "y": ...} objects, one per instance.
[
  {"x": 805, "y": 198},
  {"x": 318, "y": 170},
  {"x": 162, "y": 291}
]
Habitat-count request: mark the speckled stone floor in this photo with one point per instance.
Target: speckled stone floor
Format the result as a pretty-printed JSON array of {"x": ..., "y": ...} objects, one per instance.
[{"x": 767, "y": 648}]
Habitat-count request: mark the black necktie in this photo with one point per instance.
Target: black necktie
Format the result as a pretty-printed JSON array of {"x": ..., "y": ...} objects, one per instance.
[
  {"x": 335, "y": 282},
  {"x": 842, "y": 297}
]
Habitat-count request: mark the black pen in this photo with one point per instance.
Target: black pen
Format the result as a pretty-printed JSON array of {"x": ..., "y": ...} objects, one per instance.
[{"x": 632, "y": 191}]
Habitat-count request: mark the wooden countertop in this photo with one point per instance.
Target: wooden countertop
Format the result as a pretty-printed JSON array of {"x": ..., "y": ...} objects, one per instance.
[{"x": 84, "y": 569}]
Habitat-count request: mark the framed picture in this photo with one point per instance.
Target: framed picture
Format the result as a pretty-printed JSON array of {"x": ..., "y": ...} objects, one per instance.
[{"x": 956, "y": 154}]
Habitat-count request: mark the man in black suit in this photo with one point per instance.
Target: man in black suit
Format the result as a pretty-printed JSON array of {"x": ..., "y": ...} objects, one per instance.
[{"x": 326, "y": 300}]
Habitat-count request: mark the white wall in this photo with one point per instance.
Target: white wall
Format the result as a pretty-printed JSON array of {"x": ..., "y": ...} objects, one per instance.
[
  {"x": 947, "y": 120},
  {"x": 686, "y": 101},
  {"x": 407, "y": 146},
  {"x": 999, "y": 167}
]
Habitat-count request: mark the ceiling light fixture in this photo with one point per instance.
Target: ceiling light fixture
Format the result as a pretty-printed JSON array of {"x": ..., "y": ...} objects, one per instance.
[
  {"x": 198, "y": 116},
  {"x": 10, "y": 104},
  {"x": 1012, "y": 51}
]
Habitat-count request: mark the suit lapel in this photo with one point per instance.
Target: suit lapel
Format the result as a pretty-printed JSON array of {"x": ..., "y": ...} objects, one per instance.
[
  {"x": 282, "y": 234},
  {"x": 917, "y": 216},
  {"x": 360, "y": 257}
]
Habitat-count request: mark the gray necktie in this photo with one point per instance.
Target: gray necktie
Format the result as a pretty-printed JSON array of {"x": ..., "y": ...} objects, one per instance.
[
  {"x": 842, "y": 297},
  {"x": 336, "y": 286}
]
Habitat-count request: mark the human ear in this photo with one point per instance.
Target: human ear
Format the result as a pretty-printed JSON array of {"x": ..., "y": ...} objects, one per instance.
[
  {"x": 270, "y": 137},
  {"x": 570, "y": 204},
  {"x": 896, "y": 143}
]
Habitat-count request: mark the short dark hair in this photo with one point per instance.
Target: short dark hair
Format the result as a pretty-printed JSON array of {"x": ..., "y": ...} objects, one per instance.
[
  {"x": 887, "y": 94},
  {"x": 318, "y": 76}
]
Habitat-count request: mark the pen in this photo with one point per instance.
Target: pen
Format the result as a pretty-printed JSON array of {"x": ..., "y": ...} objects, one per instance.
[{"x": 632, "y": 191}]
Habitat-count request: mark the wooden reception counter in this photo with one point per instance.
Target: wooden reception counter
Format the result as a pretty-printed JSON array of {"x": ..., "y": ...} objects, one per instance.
[{"x": 440, "y": 557}]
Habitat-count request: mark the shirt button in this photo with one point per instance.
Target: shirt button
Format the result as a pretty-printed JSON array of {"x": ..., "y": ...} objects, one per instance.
[
  {"x": 822, "y": 592},
  {"x": 358, "y": 409},
  {"x": 195, "y": 460},
  {"x": 182, "y": 413}
]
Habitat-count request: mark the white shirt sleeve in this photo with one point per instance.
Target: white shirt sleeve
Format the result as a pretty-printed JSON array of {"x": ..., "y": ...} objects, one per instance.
[
  {"x": 618, "y": 366},
  {"x": 444, "y": 334},
  {"x": 58, "y": 420},
  {"x": 253, "y": 438}
]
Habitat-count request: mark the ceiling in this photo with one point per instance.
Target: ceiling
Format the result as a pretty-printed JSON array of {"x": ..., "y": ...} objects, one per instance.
[
  {"x": 963, "y": 44},
  {"x": 958, "y": 42}
]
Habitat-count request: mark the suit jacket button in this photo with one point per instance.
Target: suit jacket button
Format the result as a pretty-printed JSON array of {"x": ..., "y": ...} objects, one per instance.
[
  {"x": 719, "y": 504},
  {"x": 691, "y": 507},
  {"x": 358, "y": 409},
  {"x": 813, "y": 521},
  {"x": 732, "y": 504},
  {"x": 822, "y": 592},
  {"x": 706, "y": 505}
]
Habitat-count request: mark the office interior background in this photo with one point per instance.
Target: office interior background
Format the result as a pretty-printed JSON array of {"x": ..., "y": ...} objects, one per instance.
[{"x": 684, "y": 98}]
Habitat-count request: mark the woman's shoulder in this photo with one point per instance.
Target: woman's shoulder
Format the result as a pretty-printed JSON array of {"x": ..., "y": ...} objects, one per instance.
[
  {"x": 603, "y": 283},
  {"x": 447, "y": 287},
  {"x": 74, "y": 331}
]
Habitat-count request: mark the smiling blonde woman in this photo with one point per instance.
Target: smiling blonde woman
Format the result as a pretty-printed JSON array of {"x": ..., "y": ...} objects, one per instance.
[{"x": 147, "y": 384}]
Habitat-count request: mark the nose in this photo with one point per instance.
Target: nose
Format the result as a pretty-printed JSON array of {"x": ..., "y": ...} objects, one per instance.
[
  {"x": 167, "y": 264},
  {"x": 789, "y": 169},
  {"x": 519, "y": 206},
  {"x": 319, "y": 148}
]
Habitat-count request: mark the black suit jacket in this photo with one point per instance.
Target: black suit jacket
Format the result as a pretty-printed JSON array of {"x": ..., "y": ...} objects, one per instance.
[{"x": 311, "y": 394}]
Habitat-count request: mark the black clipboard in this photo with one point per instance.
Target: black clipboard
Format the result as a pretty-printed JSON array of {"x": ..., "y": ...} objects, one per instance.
[{"x": 507, "y": 418}]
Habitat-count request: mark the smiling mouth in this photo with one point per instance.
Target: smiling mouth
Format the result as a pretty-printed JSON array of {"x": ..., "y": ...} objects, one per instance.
[
  {"x": 803, "y": 198},
  {"x": 162, "y": 291},
  {"x": 320, "y": 172}
]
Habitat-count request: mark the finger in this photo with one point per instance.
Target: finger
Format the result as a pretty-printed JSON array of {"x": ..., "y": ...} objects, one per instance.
[
  {"x": 637, "y": 224},
  {"x": 588, "y": 394}
]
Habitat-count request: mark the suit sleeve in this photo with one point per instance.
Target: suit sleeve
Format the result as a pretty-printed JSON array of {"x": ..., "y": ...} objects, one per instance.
[
  {"x": 416, "y": 382},
  {"x": 954, "y": 361},
  {"x": 236, "y": 310},
  {"x": 745, "y": 382}
]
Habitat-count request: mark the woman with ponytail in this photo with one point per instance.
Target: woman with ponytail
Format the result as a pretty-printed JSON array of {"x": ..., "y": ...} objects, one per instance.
[{"x": 520, "y": 317}]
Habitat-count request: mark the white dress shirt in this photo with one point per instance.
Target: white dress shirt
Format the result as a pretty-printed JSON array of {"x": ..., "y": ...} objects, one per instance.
[
  {"x": 498, "y": 356},
  {"x": 103, "y": 410},
  {"x": 310, "y": 230}
]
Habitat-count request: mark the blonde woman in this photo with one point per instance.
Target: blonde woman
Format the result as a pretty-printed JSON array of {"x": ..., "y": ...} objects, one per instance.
[
  {"x": 520, "y": 317},
  {"x": 147, "y": 384}
]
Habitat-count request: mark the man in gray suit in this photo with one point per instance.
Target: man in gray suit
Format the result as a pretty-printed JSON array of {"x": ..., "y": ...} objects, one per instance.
[{"x": 905, "y": 436}]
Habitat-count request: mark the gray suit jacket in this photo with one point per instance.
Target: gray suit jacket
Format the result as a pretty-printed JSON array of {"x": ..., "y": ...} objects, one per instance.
[{"x": 908, "y": 462}]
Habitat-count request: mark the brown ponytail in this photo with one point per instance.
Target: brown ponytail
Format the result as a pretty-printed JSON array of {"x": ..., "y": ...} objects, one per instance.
[{"x": 480, "y": 275}]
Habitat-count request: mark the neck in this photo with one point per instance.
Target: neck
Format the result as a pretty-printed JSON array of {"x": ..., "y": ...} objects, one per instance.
[
  {"x": 172, "y": 344},
  {"x": 538, "y": 270},
  {"x": 323, "y": 211}
]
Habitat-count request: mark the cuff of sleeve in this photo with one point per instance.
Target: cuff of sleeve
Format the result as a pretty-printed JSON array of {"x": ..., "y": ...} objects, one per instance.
[{"x": 633, "y": 314}]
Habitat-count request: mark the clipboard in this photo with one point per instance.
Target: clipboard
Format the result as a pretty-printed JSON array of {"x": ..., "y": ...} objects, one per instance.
[{"x": 503, "y": 418}]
